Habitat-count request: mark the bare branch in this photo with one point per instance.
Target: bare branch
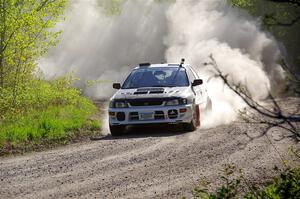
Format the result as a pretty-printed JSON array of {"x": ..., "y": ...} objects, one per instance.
[{"x": 272, "y": 116}]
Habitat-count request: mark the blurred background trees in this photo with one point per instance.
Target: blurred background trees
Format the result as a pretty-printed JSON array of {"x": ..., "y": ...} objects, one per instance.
[
  {"x": 32, "y": 110},
  {"x": 282, "y": 19},
  {"x": 26, "y": 33}
]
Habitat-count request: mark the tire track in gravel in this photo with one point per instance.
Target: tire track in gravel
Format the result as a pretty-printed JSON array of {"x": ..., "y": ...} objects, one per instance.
[{"x": 158, "y": 164}]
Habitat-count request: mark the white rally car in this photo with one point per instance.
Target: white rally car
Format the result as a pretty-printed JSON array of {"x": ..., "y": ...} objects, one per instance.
[{"x": 157, "y": 94}]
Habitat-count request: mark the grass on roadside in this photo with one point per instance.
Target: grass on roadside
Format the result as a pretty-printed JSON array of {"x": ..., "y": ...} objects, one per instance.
[
  {"x": 52, "y": 124},
  {"x": 286, "y": 185},
  {"x": 51, "y": 113}
]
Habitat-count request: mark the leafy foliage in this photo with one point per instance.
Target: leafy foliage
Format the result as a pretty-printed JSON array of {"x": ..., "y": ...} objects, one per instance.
[
  {"x": 40, "y": 94},
  {"x": 287, "y": 186},
  {"x": 33, "y": 110},
  {"x": 245, "y": 4},
  {"x": 26, "y": 33},
  {"x": 282, "y": 19},
  {"x": 50, "y": 111}
]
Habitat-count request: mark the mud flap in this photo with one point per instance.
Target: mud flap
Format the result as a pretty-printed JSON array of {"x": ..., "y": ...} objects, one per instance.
[{"x": 197, "y": 109}]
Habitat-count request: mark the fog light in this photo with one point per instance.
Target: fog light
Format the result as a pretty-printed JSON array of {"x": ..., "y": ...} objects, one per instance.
[
  {"x": 120, "y": 116},
  {"x": 112, "y": 113}
]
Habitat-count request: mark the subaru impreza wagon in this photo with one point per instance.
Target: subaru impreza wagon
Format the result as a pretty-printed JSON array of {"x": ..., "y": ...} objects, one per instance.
[{"x": 158, "y": 94}]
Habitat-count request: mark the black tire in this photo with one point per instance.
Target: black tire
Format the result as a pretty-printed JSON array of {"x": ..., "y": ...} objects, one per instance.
[
  {"x": 192, "y": 125},
  {"x": 189, "y": 127},
  {"x": 117, "y": 130}
]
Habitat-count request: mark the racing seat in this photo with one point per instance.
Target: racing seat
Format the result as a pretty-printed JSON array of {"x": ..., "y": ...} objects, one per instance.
[{"x": 148, "y": 79}]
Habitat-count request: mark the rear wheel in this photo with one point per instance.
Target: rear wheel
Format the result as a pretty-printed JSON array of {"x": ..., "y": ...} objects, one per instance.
[{"x": 117, "y": 130}]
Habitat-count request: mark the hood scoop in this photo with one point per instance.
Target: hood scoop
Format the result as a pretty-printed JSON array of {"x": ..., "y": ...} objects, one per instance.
[
  {"x": 156, "y": 92},
  {"x": 140, "y": 92},
  {"x": 144, "y": 91}
]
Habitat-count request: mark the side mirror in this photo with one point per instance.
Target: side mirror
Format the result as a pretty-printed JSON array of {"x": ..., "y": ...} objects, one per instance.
[
  {"x": 116, "y": 85},
  {"x": 197, "y": 82}
]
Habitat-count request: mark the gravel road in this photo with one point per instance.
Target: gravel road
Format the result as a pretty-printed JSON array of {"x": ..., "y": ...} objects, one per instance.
[{"x": 143, "y": 164}]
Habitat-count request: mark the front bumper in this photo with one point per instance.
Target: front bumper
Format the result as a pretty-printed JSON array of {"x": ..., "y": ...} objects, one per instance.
[{"x": 154, "y": 115}]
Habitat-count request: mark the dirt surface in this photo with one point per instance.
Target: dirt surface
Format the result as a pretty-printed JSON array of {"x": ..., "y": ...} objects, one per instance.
[{"x": 150, "y": 163}]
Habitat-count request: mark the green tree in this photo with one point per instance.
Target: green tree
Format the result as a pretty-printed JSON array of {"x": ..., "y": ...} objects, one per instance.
[
  {"x": 283, "y": 13},
  {"x": 282, "y": 19},
  {"x": 26, "y": 33}
]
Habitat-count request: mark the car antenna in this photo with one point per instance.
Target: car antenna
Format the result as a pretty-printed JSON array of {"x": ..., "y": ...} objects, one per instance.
[
  {"x": 180, "y": 66},
  {"x": 182, "y": 62}
]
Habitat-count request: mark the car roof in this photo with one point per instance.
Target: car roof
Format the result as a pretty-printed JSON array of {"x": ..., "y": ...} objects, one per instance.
[{"x": 147, "y": 65}]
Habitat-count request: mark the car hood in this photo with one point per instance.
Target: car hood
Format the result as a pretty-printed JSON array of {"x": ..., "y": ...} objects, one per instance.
[{"x": 153, "y": 92}]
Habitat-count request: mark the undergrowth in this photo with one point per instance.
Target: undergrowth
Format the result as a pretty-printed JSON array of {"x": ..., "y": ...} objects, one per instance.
[
  {"x": 284, "y": 186},
  {"x": 48, "y": 112}
]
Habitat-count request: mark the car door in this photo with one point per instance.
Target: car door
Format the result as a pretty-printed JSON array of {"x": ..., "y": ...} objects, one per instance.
[
  {"x": 200, "y": 91},
  {"x": 196, "y": 89}
]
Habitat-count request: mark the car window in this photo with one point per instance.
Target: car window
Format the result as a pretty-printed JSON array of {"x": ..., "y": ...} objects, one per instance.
[
  {"x": 156, "y": 77},
  {"x": 194, "y": 72},
  {"x": 191, "y": 75}
]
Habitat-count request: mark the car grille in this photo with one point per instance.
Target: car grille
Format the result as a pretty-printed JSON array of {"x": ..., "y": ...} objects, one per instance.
[
  {"x": 159, "y": 115},
  {"x": 146, "y": 102},
  {"x": 133, "y": 116}
]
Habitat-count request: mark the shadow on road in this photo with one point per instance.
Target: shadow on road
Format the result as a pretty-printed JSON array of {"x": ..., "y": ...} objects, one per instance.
[{"x": 146, "y": 131}]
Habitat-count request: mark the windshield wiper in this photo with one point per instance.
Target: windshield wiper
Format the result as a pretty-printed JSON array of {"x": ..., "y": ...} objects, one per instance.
[
  {"x": 157, "y": 86},
  {"x": 130, "y": 88},
  {"x": 161, "y": 86}
]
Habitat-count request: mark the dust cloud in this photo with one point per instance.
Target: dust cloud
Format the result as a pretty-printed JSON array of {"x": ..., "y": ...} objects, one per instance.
[
  {"x": 104, "y": 46},
  {"x": 244, "y": 52}
]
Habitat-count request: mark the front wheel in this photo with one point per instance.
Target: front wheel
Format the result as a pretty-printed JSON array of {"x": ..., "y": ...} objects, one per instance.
[
  {"x": 192, "y": 126},
  {"x": 117, "y": 130}
]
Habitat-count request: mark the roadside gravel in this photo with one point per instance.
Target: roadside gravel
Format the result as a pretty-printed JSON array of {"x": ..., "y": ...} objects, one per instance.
[{"x": 150, "y": 163}]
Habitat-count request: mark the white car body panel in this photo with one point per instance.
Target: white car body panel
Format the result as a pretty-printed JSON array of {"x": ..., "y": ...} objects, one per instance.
[{"x": 194, "y": 95}]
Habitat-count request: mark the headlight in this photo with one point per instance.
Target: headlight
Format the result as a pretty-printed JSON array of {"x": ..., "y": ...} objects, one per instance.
[
  {"x": 121, "y": 105},
  {"x": 118, "y": 104},
  {"x": 172, "y": 102},
  {"x": 176, "y": 102},
  {"x": 183, "y": 101}
]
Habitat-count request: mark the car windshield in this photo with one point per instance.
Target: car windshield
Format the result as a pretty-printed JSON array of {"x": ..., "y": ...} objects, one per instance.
[{"x": 156, "y": 77}]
